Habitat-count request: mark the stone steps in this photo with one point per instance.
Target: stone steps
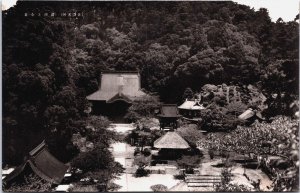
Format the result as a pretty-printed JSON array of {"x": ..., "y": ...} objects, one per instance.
[{"x": 197, "y": 180}]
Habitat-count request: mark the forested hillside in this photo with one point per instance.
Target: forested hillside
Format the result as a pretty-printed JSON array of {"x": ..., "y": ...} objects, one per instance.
[{"x": 50, "y": 64}]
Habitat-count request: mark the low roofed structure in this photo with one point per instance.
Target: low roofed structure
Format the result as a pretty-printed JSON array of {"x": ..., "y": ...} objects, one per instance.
[
  {"x": 191, "y": 105},
  {"x": 247, "y": 114},
  {"x": 191, "y": 109},
  {"x": 43, "y": 164},
  {"x": 250, "y": 116}
]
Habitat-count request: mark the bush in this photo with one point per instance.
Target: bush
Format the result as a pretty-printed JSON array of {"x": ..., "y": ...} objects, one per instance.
[
  {"x": 179, "y": 176},
  {"x": 189, "y": 170},
  {"x": 159, "y": 188},
  {"x": 189, "y": 162},
  {"x": 85, "y": 188},
  {"x": 141, "y": 172},
  {"x": 147, "y": 152}
]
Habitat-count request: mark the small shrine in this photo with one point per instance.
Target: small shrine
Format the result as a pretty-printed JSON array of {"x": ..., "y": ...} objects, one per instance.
[{"x": 191, "y": 108}]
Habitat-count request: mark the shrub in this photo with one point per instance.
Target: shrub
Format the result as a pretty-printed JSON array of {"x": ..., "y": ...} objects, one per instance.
[
  {"x": 159, "y": 188},
  {"x": 147, "y": 152},
  {"x": 85, "y": 188},
  {"x": 179, "y": 176},
  {"x": 189, "y": 170},
  {"x": 189, "y": 162},
  {"x": 141, "y": 172}
]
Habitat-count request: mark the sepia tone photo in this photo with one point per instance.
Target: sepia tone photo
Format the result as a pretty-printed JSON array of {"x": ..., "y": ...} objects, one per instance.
[{"x": 139, "y": 96}]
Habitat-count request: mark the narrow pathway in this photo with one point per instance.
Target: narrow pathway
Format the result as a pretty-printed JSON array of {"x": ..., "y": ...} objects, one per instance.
[{"x": 121, "y": 151}]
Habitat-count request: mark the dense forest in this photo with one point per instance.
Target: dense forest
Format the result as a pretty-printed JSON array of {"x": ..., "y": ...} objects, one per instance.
[{"x": 50, "y": 64}]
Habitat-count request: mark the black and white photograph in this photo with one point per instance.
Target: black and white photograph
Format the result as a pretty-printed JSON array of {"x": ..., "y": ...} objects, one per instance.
[{"x": 150, "y": 96}]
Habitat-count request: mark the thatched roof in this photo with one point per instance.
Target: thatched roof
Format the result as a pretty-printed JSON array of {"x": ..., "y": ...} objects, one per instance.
[
  {"x": 191, "y": 105},
  {"x": 43, "y": 164},
  {"x": 171, "y": 140},
  {"x": 169, "y": 111},
  {"x": 127, "y": 84}
]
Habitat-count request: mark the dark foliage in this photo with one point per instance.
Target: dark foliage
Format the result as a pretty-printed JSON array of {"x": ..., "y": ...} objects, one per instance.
[{"x": 141, "y": 172}]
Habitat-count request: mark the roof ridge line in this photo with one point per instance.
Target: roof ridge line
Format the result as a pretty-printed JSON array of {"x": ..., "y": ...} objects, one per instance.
[{"x": 37, "y": 148}]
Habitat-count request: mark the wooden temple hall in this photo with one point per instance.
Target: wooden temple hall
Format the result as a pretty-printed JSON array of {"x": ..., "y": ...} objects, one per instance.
[
  {"x": 168, "y": 117},
  {"x": 191, "y": 109},
  {"x": 116, "y": 92},
  {"x": 41, "y": 163}
]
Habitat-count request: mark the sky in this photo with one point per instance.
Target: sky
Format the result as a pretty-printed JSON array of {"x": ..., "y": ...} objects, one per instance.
[{"x": 277, "y": 8}]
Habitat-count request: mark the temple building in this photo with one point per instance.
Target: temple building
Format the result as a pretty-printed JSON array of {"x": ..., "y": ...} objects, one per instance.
[
  {"x": 168, "y": 117},
  {"x": 40, "y": 162},
  {"x": 191, "y": 109},
  {"x": 116, "y": 93},
  {"x": 171, "y": 146}
]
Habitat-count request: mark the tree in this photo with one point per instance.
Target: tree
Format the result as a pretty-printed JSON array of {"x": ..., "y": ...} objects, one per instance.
[
  {"x": 188, "y": 94},
  {"x": 281, "y": 86},
  {"x": 190, "y": 133},
  {"x": 144, "y": 107},
  {"x": 98, "y": 163}
]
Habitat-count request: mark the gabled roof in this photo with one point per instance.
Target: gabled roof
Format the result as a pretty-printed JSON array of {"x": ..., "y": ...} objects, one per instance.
[
  {"x": 171, "y": 140},
  {"x": 113, "y": 83},
  {"x": 119, "y": 96},
  {"x": 169, "y": 111},
  {"x": 249, "y": 113},
  {"x": 43, "y": 164},
  {"x": 191, "y": 105}
]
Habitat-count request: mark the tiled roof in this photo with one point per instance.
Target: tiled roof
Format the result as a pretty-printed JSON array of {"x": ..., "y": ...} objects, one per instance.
[
  {"x": 191, "y": 105},
  {"x": 43, "y": 164},
  {"x": 126, "y": 83}
]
